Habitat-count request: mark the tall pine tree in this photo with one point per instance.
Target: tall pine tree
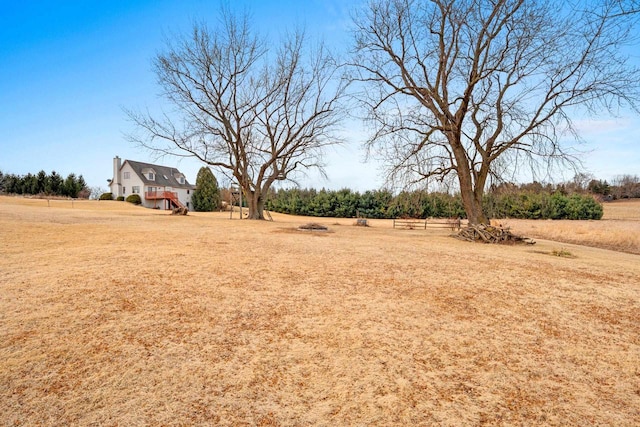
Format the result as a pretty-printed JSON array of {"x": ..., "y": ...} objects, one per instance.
[{"x": 206, "y": 196}]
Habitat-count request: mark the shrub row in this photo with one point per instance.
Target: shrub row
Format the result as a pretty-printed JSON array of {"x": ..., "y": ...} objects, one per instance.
[
  {"x": 420, "y": 204},
  {"x": 370, "y": 204},
  {"x": 132, "y": 198},
  {"x": 530, "y": 205}
]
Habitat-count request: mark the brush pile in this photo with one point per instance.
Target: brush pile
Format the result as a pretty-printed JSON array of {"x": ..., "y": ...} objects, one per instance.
[
  {"x": 313, "y": 226},
  {"x": 491, "y": 234},
  {"x": 180, "y": 211}
]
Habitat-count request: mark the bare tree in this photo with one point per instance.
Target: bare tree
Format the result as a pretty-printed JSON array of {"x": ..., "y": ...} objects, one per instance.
[
  {"x": 626, "y": 186},
  {"x": 256, "y": 111},
  {"x": 476, "y": 88}
]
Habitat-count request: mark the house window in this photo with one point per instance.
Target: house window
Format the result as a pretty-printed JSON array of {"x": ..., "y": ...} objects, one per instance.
[
  {"x": 124, "y": 190},
  {"x": 135, "y": 189},
  {"x": 152, "y": 176},
  {"x": 181, "y": 180},
  {"x": 187, "y": 191},
  {"x": 127, "y": 175}
]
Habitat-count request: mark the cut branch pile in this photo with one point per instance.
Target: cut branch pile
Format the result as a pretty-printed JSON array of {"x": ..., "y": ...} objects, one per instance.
[
  {"x": 313, "y": 226},
  {"x": 491, "y": 234},
  {"x": 180, "y": 211}
]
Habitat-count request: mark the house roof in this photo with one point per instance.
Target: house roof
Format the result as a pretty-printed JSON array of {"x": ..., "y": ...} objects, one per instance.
[{"x": 165, "y": 176}]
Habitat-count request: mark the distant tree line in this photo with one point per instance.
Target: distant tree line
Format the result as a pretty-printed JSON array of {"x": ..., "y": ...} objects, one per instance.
[
  {"x": 51, "y": 184},
  {"x": 528, "y": 201},
  {"x": 621, "y": 187}
]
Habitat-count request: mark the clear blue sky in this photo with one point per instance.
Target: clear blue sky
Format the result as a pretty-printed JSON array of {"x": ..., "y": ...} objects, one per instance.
[{"x": 68, "y": 67}]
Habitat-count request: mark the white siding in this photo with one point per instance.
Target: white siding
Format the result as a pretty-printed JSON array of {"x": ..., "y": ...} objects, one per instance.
[
  {"x": 184, "y": 197},
  {"x": 129, "y": 183},
  {"x": 125, "y": 188}
]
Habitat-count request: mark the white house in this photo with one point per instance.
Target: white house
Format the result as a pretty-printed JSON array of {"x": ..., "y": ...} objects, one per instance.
[{"x": 159, "y": 187}]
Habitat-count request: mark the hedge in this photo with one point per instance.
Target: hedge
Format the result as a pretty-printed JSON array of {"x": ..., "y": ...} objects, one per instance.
[{"x": 420, "y": 204}]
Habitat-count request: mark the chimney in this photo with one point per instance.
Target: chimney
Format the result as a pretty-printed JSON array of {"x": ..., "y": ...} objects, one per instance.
[{"x": 116, "y": 185}]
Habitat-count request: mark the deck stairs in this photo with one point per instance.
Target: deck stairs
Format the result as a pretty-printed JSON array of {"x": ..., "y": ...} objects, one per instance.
[{"x": 171, "y": 196}]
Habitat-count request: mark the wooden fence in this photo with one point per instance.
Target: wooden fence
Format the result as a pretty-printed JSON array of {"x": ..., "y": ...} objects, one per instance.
[{"x": 423, "y": 224}]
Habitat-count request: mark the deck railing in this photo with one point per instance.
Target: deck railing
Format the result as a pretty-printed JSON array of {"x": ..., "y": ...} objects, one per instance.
[
  {"x": 164, "y": 195},
  {"x": 151, "y": 195}
]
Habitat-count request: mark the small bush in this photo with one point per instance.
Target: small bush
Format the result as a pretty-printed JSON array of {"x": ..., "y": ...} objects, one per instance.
[
  {"x": 106, "y": 196},
  {"x": 120, "y": 198},
  {"x": 135, "y": 199},
  {"x": 583, "y": 207},
  {"x": 563, "y": 253}
]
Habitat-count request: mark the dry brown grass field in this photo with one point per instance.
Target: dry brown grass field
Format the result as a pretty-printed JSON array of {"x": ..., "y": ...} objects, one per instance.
[
  {"x": 618, "y": 230},
  {"x": 115, "y": 315}
]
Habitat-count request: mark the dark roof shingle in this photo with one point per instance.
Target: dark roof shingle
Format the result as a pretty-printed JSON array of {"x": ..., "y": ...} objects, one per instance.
[{"x": 165, "y": 176}]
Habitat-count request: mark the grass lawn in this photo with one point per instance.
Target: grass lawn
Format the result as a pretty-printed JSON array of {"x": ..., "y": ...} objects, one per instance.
[{"x": 116, "y": 315}]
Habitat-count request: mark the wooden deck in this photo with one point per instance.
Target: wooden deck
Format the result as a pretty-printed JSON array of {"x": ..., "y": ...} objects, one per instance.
[{"x": 164, "y": 195}]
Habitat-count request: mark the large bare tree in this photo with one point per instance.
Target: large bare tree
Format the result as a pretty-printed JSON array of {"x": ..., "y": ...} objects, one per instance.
[
  {"x": 473, "y": 88},
  {"x": 255, "y": 109}
]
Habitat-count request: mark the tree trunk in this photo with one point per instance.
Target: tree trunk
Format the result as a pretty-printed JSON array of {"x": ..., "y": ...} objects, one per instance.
[
  {"x": 473, "y": 206},
  {"x": 471, "y": 200},
  {"x": 255, "y": 205}
]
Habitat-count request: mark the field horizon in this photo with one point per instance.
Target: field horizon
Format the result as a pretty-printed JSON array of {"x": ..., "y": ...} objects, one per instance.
[{"x": 113, "y": 314}]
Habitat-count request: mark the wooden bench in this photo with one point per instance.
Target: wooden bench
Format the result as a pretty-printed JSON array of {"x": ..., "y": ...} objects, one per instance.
[{"x": 412, "y": 224}]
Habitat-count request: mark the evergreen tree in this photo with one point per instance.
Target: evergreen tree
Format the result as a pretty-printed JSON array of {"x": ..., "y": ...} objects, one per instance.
[
  {"x": 73, "y": 186},
  {"x": 29, "y": 184},
  {"x": 54, "y": 184},
  {"x": 69, "y": 186},
  {"x": 206, "y": 196},
  {"x": 42, "y": 181},
  {"x": 83, "y": 190},
  {"x": 12, "y": 184}
]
